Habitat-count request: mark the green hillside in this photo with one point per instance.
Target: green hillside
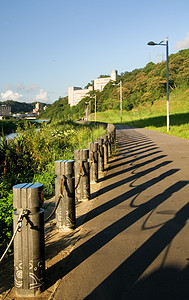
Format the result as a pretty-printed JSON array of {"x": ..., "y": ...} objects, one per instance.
[
  {"x": 148, "y": 84},
  {"x": 144, "y": 96},
  {"x": 154, "y": 116},
  {"x": 59, "y": 109}
]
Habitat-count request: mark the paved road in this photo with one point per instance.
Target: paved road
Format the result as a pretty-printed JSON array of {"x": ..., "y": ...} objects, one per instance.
[{"x": 135, "y": 239}]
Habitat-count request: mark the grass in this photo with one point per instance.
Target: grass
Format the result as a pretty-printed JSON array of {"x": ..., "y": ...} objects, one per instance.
[{"x": 154, "y": 116}]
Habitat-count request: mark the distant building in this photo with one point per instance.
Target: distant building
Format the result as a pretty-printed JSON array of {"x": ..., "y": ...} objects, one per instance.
[
  {"x": 100, "y": 83},
  {"x": 5, "y": 110},
  {"x": 37, "y": 108},
  {"x": 75, "y": 94}
]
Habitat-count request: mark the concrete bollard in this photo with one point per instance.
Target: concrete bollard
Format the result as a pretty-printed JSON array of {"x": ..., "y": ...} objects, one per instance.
[
  {"x": 93, "y": 160},
  {"x": 111, "y": 131},
  {"x": 65, "y": 195},
  {"x": 113, "y": 138},
  {"x": 101, "y": 155},
  {"x": 109, "y": 145},
  {"x": 105, "y": 145},
  {"x": 29, "y": 258},
  {"x": 82, "y": 174}
]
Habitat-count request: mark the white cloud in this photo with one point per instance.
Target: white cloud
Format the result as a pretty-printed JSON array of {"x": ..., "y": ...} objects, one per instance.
[
  {"x": 183, "y": 44},
  {"x": 42, "y": 96},
  {"x": 32, "y": 87},
  {"x": 10, "y": 95},
  {"x": 28, "y": 88},
  {"x": 27, "y": 93}
]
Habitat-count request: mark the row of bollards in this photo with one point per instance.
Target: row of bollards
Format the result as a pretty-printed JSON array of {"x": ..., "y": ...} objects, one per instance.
[
  {"x": 65, "y": 190},
  {"x": 72, "y": 184},
  {"x": 93, "y": 161},
  {"x": 82, "y": 174}
]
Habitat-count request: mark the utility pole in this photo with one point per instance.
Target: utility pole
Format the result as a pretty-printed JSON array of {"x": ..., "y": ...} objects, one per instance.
[
  {"x": 121, "y": 100},
  {"x": 95, "y": 107}
]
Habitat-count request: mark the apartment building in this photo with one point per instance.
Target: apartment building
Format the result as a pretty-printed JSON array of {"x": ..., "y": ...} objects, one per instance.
[
  {"x": 5, "y": 110},
  {"x": 75, "y": 94}
]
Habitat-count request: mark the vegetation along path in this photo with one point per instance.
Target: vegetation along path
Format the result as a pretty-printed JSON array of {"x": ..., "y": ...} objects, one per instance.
[{"x": 135, "y": 238}]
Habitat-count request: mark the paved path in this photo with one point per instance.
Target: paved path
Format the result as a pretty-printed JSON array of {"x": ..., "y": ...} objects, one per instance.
[{"x": 135, "y": 240}]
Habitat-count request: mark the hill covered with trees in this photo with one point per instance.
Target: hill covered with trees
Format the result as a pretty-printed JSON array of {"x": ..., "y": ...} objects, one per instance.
[
  {"x": 139, "y": 87},
  {"x": 21, "y": 107}
]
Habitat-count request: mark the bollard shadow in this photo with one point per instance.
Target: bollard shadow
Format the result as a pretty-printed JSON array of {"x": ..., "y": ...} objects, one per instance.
[
  {"x": 123, "y": 154},
  {"x": 131, "y": 150},
  {"x": 134, "y": 159},
  {"x": 131, "y": 193},
  {"x": 6, "y": 274},
  {"x": 61, "y": 243},
  {"x": 131, "y": 162},
  {"x": 134, "y": 176},
  {"x": 166, "y": 283},
  {"x": 132, "y": 142},
  {"x": 85, "y": 250},
  {"x": 126, "y": 150}
]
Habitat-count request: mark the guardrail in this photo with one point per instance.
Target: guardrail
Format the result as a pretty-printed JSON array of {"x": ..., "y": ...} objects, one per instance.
[{"x": 72, "y": 183}]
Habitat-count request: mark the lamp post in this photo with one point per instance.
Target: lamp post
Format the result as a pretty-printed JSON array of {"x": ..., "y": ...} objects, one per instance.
[
  {"x": 121, "y": 98},
  {"x": 94, "y": 104},
  {"x": 151, "y": 43},
  {"x": 121, "y": 101},
  {"x": 95, "y": 107},
  {"x": 86, "y": 110}
]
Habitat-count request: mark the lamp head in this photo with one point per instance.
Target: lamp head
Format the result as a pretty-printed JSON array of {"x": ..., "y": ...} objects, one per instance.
[{"x": 151, "y": 43}]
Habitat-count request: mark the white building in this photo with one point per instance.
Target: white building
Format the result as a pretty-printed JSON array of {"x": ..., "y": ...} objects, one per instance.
[
  {"x": 100, "y": 83},
  {"x": 75, "y": 94},
  {"x": 37, "y": 108}
]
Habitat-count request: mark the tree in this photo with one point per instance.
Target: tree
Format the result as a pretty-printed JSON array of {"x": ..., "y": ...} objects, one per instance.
[{"x": 89, "y": 84}]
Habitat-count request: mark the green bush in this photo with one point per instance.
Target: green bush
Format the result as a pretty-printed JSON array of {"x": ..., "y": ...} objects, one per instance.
[{"x": 6, "y": 220}]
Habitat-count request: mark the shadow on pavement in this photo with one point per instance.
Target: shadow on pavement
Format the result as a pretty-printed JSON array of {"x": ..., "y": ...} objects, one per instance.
[
  {"x": 168, "y": 283},
  {"x": 141, "y": 259},
  {"x": 125, "y": 196}
]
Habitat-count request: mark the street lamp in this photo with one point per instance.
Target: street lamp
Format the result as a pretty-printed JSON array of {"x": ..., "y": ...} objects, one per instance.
[
  {"x": 95, "y": 104},
  {"x": 151, "y": 43},
  {"x": 87, "y": 110},
  {"x": 121, "y": 100}
]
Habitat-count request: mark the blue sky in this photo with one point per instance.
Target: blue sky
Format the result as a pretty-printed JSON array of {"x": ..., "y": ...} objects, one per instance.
[{"x": 49, "y": 45}]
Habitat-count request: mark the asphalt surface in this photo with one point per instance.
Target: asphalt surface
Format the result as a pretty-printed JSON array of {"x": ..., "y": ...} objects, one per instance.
[{"x": 134, "y": 243}]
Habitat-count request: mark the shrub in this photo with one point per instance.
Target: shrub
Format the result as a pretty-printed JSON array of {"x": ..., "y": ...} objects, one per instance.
[{"x": 6, "y": 220}]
